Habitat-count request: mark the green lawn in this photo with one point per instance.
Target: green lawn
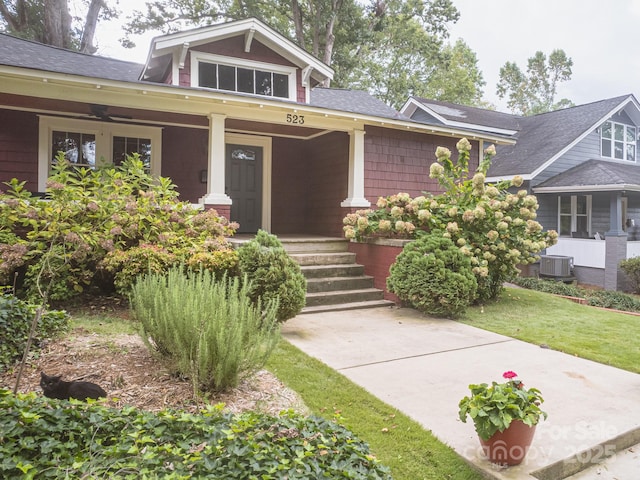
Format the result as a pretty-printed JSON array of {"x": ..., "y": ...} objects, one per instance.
[
  {"x": 402, "y": 444},
  {"x": 541, "y": 318}
]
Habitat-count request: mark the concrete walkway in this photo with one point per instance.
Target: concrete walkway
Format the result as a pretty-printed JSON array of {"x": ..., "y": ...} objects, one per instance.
[{"x": 423, "y": 366}]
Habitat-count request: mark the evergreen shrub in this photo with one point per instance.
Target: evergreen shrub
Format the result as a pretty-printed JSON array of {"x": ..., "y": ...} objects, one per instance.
[
  {"x": 273, "y": 274},
  {"x": 210, "y": 329},
  {"x": 433, "y": 276}
]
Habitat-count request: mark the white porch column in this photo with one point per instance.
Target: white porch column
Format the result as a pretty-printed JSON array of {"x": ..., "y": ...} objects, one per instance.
[
  {"x": 356, "y": 171},
  {"x": 216, "y": 165}
]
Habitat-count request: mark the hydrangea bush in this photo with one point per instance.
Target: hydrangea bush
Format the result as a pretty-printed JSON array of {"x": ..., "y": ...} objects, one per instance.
[
  {"x": 492, "y": 224},
  {"x": 95, "y": 226}
]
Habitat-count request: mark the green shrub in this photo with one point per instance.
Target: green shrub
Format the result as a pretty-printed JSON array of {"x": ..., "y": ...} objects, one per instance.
[
  {"x": 217, "y": 262},
  {"x": 16, "y": 317},
  {"x": 549, "y": 286},
  {"x": 596, "y": 298},
  {"x": 433, "y": 276},
  {"x": 631, "y": 266},
  {"x": 273, "y": 274},
  {"x": 615, "y": 300},
  {"x": 126, "y": 265},
  {"x": 61, "y": 242},
  {"x": 209, "y": 328},
  {"x": 43, "y": 438}
]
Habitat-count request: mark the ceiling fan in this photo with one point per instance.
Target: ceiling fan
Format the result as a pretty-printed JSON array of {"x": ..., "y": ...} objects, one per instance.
[{"x": 101, "y": 112}]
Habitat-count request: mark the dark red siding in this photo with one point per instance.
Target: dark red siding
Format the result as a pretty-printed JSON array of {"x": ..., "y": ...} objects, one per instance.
[
  {"x": 289, "y": 186},
  {"x": 184, "y": 156},
  {"x": 327, "y": 178},
  {"x": 19, "y": 147},
  {"x": 397, "y": 161}
]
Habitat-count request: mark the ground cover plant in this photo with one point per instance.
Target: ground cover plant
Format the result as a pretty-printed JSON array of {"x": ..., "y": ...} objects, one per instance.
[
  {"x": 490, "y": 224},
  {"x": 101, "y": 228},
  {"x": 604, "y": 336},
  {"x": 43, "y": 438}
]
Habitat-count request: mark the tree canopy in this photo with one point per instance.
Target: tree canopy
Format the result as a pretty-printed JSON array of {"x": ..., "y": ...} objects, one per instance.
[
  {"x": 535, "y": 91},
  {"x": 51, "y": 22}
]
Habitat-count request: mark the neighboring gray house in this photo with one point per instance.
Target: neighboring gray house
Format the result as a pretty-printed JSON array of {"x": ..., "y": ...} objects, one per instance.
[{"x": 581, "y": 163}]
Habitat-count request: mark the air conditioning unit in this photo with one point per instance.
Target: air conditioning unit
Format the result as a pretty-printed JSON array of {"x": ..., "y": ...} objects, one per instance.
[{"x": 556, "y": 265}]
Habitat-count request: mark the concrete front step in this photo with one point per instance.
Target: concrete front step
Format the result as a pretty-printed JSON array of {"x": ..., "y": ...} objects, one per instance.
[
  {"x": 347, "y": 306},
  {"x": 302, "y": 245},
  {"x": 328, "y": 284},
  {"x": 324, "y": 258},
  {"x": 348, "y": 296},
  {"x": 321, "y": 271}
]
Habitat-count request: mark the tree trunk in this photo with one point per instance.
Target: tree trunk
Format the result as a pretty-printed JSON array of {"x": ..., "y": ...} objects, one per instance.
[
  {"x": 57, "y": 23},
  {"x": 297, "y": 22},
  {"x": 86, "y": 44},
  {"x": 18, "y": 21}
]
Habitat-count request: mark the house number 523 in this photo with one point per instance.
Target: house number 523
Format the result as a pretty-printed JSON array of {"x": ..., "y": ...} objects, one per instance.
[{"x": 297, "y": 119}]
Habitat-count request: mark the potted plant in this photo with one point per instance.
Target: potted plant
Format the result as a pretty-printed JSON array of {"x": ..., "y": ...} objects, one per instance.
[{"x": 505, "y": 416}]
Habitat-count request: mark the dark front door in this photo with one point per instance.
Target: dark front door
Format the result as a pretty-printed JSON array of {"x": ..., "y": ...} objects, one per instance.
[{"x": 244, "y": 185}]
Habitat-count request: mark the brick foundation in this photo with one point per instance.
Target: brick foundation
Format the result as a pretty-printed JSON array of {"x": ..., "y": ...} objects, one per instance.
[{"x": 377, "y": 256}]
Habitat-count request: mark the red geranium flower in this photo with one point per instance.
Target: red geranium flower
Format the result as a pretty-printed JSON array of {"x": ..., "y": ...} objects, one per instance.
[{"x": 509, "y": 375}]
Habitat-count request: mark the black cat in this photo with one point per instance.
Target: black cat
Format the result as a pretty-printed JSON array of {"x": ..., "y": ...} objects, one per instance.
[{"x": 55, "y": 387}]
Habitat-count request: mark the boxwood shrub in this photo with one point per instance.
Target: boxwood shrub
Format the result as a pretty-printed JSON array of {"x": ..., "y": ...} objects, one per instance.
[
  {"x": 44, "y": 438},
  {"x": 432, "y": 275}
]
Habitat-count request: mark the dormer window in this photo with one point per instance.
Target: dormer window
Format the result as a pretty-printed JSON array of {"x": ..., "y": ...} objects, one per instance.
[
  {"x": 618, "y": 141},
  {"x": 243, "y": 76}
]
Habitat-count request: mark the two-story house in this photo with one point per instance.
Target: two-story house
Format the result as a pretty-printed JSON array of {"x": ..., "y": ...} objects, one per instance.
[{"x": 581, "y": 163}]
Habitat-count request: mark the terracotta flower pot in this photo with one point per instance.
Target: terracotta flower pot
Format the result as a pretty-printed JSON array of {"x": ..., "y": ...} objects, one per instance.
[{"x": 511, "y": 446}]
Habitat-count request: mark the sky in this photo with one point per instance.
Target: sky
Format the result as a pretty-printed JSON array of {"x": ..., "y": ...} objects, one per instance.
[{"x": 602, "y": 38}]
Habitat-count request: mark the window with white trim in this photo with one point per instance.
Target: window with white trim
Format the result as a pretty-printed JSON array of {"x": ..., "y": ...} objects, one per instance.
[
  {"x": 92, "y": 144},
  {"x": 574, "y": 216},
  {"x": 243, "y": 76},
  {"x": 618, "y": 141}
]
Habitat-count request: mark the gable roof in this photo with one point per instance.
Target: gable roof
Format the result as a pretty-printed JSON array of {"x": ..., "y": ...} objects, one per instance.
[
  {"x": 164, "y": 47},
  {"x": 594, "y": 175},
  {"x": 462, "y": 116},
  {"x": 545, "y": 137},
  {"x": 17, "y": 52}
]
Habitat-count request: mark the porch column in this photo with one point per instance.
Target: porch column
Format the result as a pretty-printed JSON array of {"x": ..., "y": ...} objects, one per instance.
[
  {"x": 216, "y": 164},
  {"x": 615, "y": 243},
  {"x": 356, "y": 171}
]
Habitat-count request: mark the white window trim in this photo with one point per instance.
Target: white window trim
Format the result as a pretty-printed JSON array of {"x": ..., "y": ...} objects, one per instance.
[
  {"x": 624, "y": 142},
  {"x": 574, "y": 213},
  {"x": 197, "y": 57},
  {"x": 104, "y": 133}
]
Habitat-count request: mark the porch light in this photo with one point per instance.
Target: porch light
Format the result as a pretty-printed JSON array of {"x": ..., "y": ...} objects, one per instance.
[{"x": 203, "y": 176}]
